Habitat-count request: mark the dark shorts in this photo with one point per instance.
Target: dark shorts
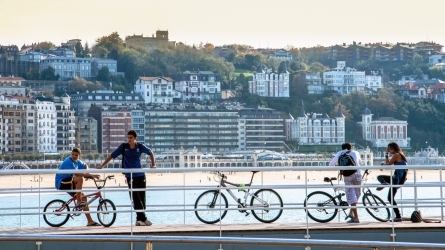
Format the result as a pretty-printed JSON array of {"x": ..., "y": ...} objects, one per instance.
[{"x": 67, "y": 184}]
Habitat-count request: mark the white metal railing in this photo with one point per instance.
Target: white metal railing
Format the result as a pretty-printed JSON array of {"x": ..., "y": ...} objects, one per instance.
[{"x": 417, "y": 202}]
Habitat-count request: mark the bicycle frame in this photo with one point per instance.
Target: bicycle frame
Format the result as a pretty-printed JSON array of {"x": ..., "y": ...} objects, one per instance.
[{"x": 222, "y": 183}]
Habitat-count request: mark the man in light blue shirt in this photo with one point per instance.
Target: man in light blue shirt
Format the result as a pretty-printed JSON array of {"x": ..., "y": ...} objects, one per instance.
[{"x": 75, "y": 181}]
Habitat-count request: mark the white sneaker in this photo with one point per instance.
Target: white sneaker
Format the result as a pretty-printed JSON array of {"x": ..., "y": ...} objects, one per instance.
[
  {"x": 140, "y": 223},
  {"x": 148, "y": 223}
]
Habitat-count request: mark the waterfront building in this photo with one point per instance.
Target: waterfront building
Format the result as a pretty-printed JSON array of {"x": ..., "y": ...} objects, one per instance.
[
  {"x": 81, "y": 103},
  {"x": 86, "y": 134},
  {"x": 344, "y": 80},
  {"x": 380, "y": 132},
  {"x": 65, "y": 124},
  {"x": 260, "y": 128},
  {"x": 208, "y": 128},
  {"x": 279, "y": 54},
  {"x": 316, "y": 128},
  {"x": 156, "y": 89},
  {"x": 46, "y": 113},
  {"x": 270, "y": 84},
  {"x": 113, "y": 123},
  {"x": 314, "y": 83},
  {"x": 200, "y": 85},
  {"x": 149, "y": 43}
]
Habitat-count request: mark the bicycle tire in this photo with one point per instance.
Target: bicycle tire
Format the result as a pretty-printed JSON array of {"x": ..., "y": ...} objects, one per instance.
[
  {"x": 272, "y": 199},
  {"x": 106, "y": 212},
  {"x": 378, "y": 209},
  {"x": 216, "y": 207},
  {"x": 54, "y": 206},
  {"x": 316, "y": 204}
]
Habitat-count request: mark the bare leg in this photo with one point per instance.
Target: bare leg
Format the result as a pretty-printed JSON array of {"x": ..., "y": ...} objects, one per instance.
[
  {"x": 78, "y": 183},
  {"x": 354, "y": 212}
]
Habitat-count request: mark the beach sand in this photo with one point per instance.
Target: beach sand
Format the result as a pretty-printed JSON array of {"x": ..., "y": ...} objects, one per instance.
[{"x": 206, "y": 178}]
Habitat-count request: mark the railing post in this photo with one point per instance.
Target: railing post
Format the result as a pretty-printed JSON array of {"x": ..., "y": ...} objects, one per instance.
[{"x": 149, "y": 245}]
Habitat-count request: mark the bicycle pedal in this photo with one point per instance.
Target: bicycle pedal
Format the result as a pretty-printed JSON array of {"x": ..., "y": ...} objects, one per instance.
[{"x": 247, "y": 214}]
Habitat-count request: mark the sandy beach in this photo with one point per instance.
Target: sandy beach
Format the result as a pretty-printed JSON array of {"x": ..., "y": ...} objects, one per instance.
[{"x": 205, "y": 178}]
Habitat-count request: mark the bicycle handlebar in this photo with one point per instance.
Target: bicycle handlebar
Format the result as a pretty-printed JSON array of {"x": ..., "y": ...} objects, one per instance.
[{"x": 104, "y": 181}]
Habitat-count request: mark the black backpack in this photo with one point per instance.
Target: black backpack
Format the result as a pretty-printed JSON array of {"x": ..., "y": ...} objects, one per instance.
[
  {"x": 346, "y": 159},
  {"x": 125, "y": 146}
]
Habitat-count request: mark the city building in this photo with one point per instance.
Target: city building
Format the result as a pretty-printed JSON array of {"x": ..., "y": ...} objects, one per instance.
[
  {"x": 149, "y": 43},
  {"x": 223, "y": 52},
  {"x": 390, "y": 53},
  {"x": 81, "y": 103},
  {"x": 350, "y": 53},
  {"x": 12, "y": 86},
  {"x": 65, "y": 124},
  {"x": 344, "y": 80},
  {"x": 156, "y": 89},
  {"x": 437, "y": 57},
  {"x": 270, "y": 84},
  {"x": 200, "y": 85},
  {"x": 207, "y": 128},
  {"x": 374, "y": 81},
  {"x": 314, "y": 83},
  {"x": 98, "y": 63},
  {"x": 260, "y": 128},
  {"x": 9, "y": 52},
  {"x": 86, "y": 134},
  {"x": 113, "y": 123},
  {"x": 316, "y": 128},
  {"x": 68, "y": 68},
  {"x": 380, "y": 132},
  {"x": 47, "y": 125},
  {"x": 279, "y": 54}
]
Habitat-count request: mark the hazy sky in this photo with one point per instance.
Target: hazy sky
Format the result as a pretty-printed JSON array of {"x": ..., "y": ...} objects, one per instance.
[{"x": 258, "y": 23}]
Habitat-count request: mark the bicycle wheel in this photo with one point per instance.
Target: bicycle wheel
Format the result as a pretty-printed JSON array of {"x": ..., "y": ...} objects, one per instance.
[
  {"x": 215, "y": 205},
  {"x": 321, "y": 206},
  {"x": 264, "y": 199},
  {"x": 106, "y": 213},
  {"x": 56, "y": 219},
  {"x": 377, "y": 208}
]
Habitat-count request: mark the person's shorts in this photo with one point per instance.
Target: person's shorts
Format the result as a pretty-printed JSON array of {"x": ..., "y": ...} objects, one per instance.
[{"x": 68, "y": 184}]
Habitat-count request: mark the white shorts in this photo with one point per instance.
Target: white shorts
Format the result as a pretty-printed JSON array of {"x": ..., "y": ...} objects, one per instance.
[{"x": 352, "y": 193}]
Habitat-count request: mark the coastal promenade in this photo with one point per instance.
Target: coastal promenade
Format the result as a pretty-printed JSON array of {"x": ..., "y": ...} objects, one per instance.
[{"x": 172, "y": 193}]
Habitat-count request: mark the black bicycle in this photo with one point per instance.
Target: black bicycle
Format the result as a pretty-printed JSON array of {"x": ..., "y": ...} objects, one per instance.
[
  {"x": 323, "y": 207},
  {"x": 212, "y": 204}
]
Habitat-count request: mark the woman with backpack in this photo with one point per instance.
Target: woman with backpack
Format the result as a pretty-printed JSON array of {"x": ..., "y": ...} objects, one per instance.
[{"x": 399, "y": 177}]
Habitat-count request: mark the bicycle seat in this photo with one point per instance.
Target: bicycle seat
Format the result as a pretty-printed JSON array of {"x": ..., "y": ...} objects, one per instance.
[
  {"x": 255, "y": 172},
  {"x": 327, "y": 179}
]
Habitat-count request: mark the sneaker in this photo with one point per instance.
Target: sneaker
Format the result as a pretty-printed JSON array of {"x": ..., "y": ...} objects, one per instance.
[
  {"x": 353, "y": 221},
  {"x": 381, "y": 188},
  {"x": 140, "y": 223},
  {"x": 148, "y": 223}
]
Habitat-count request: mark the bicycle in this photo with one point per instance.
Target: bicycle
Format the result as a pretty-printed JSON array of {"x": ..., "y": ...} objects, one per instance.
[
  {"x": 106, "y": 209},
  {"x": 215, "y": 202},
  {"x": 322, "y": 207}
]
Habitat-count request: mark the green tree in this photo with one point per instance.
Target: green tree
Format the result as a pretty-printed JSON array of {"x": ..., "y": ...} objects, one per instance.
[
  {"x": 108, "y": 46},
  {"x": 436, "y": 72},
  {"x": 49, "y": 74},
  {"x": 80, "y": 52},
  {"x": 104, "y": 74},
  {"x": 33, "y": 74},
  {"x": 44, "y": 45},
  {"x": 86, "y": 50}
]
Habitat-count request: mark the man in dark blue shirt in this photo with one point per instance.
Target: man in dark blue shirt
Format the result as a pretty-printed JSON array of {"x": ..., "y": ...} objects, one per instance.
[{"x": 131, "y": 153}]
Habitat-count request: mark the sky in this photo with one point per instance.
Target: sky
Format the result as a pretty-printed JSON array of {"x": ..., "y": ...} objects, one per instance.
[{"x": 259, "y": 23}]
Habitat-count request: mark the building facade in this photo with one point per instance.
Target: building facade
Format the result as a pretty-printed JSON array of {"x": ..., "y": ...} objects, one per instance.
[
  {"x": 384, "y": 130},
  {"x": 260, "y": 128},
  {"x": 344, "y": 80},
  {"x": 98, "y": 63},
  {"x": 67, "y": 67},
  {"x": 374, "y": 81},
  {"x": 156, "y": 89},
  {"x": 149, "y": 43},
  {"x": 314, "y": 83},
  {"x": 201, "y": 85},
  {"x": 270, "y": 84},
  {"x": 12, "y": 86},
  {"x": 86, "y": 134},
  {"x": 315, "y": 128}
]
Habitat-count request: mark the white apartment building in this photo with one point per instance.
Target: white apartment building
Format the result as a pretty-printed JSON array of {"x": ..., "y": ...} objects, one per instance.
[
  {"x": 201, "y": 85},
  {"x": 156, "y": 89},
  {"x": 318, "y": 128},
  {"x": 383, "y": 130},
  {"x": 68, "y": 67},
  {"x": 12, "y": 86},
  {"x": 373, "y": 81},
  {"x": 314, "y": 83},
  {"x": 438, "y": 57},
  {"x": 46, "y": 120},
  {"x": 344, "y": 80},
  {"x": 270, "y": 84}
]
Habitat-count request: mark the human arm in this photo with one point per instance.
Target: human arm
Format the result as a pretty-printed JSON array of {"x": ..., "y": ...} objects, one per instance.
[
  {"x": 148, "y": 151},
  {"x": 395, "y": 158},
  {"x": 83, "y": 165},
  {"x": 334, "y": 160},
  {"x": 113, "y": 155},
  {"x": 152, "y": 159},
  {"x": 109, "y": 158}
]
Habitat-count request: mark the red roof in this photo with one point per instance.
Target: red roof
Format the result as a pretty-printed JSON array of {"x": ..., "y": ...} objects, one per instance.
[
  {"x": 8, "y": 78},
  {"x": 152, "y": 78}
]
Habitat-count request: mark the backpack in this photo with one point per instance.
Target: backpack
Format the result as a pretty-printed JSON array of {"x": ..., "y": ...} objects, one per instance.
[
  {"x": 125, "y": 146},
  {"x": 416, "y": 217},
  {"x": 345, "y": 159}
]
